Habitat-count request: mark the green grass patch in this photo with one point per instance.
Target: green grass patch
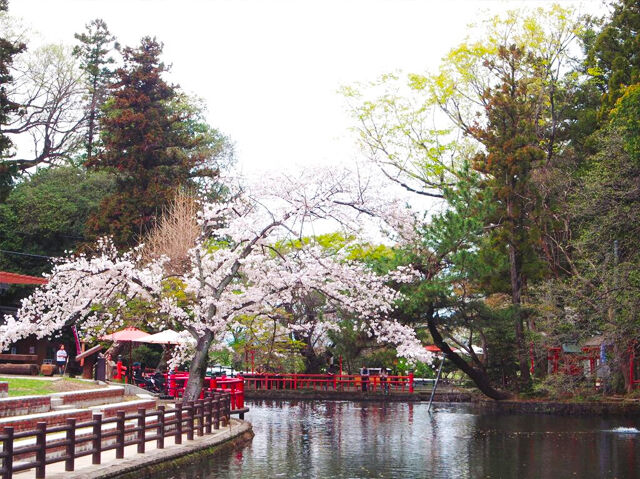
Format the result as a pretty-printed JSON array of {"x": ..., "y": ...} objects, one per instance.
[{"x": 28, "y": 387}]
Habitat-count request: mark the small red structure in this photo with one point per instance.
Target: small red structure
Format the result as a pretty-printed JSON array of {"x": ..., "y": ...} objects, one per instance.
[{"x": 570, "y": 359}]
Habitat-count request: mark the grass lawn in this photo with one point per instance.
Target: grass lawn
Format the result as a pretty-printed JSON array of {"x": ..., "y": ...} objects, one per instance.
[{"x": 37, "y": 387}]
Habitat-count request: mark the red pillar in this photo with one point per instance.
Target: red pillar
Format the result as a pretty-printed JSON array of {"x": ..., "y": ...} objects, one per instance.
[{"x": 240, "y": 393}]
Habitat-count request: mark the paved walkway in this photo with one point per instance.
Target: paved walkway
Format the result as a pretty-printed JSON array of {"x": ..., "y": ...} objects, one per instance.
[{"x": 132, "y": 461}]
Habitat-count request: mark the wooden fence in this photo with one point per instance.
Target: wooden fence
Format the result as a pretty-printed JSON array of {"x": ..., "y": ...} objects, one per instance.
[{"x": 195, "y": 417}]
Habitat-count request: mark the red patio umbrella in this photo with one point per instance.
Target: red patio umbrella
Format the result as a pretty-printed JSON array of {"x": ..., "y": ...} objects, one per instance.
[
  {"x": 433, "y": 348},
  {"x": 127, "y": 335}
]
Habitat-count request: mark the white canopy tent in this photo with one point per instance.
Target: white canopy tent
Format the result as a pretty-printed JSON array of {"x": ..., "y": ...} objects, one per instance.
[{"x": 169, "y": 336}]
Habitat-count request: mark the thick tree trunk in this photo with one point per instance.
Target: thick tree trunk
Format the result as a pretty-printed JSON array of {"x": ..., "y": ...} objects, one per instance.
[
  {"x": 198, "y": 367},
  {"x": 312, "y": 362},
  {"x": 478, "y": 376}
]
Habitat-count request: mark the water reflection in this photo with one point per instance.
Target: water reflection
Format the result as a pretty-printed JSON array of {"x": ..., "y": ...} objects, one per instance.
[{"x": 394, "y": 440}]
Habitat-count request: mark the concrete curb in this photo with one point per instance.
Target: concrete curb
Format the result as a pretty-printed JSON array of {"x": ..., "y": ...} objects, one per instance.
[{"x": 146, "y": 465}]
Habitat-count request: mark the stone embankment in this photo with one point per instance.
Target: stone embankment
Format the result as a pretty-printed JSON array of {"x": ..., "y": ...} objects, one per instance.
[
  {"x": 329, "y": 395},
  {"x": 562, "y": 408}
]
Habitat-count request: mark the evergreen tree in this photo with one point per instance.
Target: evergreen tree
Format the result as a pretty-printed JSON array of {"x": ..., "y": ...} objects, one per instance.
[
  {"x": 8, "y": 49},
  {"x": 154, "y": 138},
  {"x": 94, "y": 49}
]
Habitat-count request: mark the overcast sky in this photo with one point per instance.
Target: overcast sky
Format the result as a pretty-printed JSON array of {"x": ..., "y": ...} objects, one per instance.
[{"x": 269, "y": 70}]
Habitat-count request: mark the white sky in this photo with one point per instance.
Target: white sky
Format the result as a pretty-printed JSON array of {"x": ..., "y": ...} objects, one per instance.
[{"x": 269, "y": 70}]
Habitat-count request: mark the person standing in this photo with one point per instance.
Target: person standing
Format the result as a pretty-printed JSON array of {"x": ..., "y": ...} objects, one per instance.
[
  {"x": 364, "y": 374},
  {"x": 384, "y": 380},
  {"x": 61, "y": 359}
]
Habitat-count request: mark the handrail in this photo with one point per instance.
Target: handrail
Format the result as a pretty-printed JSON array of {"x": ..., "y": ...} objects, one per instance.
[
  {"x": 335, "y": 382},
  {"x": 193, "y": 418}
]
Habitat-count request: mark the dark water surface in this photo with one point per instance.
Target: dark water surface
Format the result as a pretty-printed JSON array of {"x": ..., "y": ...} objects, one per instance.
[{"x": 399, "y": 440}]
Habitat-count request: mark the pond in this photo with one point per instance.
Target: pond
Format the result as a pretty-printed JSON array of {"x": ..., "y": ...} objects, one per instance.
[{"x": 399, "y": 440}]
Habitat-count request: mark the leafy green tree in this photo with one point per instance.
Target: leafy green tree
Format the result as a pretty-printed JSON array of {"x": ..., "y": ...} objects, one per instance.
[
  {"x": 47, "y": 214},
  {"x": 605, "y": 287},
  {"x": 94, "y": 51},
  {"x": 613, "y": 57},
  {"x": 509, "y": 94}
]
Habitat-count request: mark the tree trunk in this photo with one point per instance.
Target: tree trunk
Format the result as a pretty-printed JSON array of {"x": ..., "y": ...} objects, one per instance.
[
  {"x": 198, "y": 367},
  {"x": 515, "y": 270},
  {"x": 478, "y": 376}
]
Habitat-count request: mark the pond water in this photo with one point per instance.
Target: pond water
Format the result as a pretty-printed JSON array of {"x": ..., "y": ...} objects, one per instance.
[{"x": 398, "y": 440}]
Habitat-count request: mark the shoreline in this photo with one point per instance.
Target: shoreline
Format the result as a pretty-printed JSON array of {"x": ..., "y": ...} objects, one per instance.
[{"x": 510, "y": 406}]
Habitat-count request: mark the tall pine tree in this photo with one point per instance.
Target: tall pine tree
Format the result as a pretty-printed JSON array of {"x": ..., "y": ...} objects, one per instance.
[
  {"x": 512, "y": 153},
  {"x": 93, "y": 51}
]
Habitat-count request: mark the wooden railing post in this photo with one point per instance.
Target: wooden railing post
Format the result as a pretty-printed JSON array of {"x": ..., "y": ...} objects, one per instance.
[
  {"x": 41, "y": 452},
  {"x": 7, "y": 448},
  {"x": 178, "y": 437},
  {"x": 200, "y": 409},
  {"x": 207, "y": 415},
  {"x": 223, "y": 409},
  {"x": 97, "y": 438},
  {"x": 190, "y": 423},
  {"x": 69, "y": 462},
  {"x": 227, "y": 409},
  {"x": 216, "y": 411},
  {"x": 141, "y": 432},
  {"x": 160, "y": 441},
  {"x": 120, "y": 435}
]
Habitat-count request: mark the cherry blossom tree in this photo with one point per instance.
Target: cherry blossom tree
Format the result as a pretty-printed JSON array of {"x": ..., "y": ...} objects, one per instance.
[{"x": 233, "y": 271}]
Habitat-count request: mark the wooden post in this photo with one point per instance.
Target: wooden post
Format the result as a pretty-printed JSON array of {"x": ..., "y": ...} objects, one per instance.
[
  {"x": 190, "y": 423},
  {"x": 160, "y": 441},
  {"x": 216, "y": 404},
  {"x": 41, "y": 452},
  {"x": 178, "y": 437},
  {"x": 97, "y": 438},
  {"x": 227, "y": 408},
  {"x": 141, "y": 432},
  {"x": 7, "y": 448},
  {"x": 69, "y": 463},
  {"x": 222, "y": 399},
  {"x": 120, "y": 435},
  {"x": 207, "y": 415},
  {"x": 200, "y": 409}
]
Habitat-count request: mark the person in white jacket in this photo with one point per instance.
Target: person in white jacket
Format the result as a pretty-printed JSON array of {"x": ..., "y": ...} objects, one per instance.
[{"x": 61, "y": 359}]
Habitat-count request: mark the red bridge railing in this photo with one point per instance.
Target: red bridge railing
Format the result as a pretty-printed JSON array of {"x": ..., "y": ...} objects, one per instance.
[
  {"x": 176, "y": 384},
  {"x": 335, "y": 382}
]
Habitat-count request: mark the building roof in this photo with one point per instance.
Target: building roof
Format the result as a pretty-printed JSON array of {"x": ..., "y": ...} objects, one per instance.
[{"x": 14, "y": 278}]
